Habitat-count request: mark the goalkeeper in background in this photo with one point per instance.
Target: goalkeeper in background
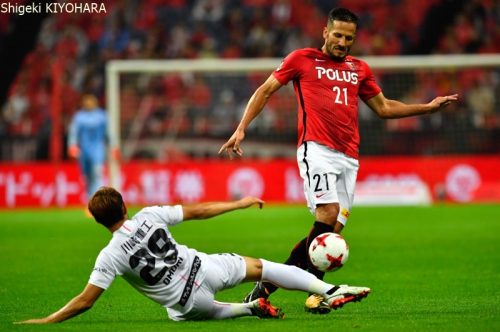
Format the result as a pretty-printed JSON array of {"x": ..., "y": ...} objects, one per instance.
[{"x": 88, "y": 140}]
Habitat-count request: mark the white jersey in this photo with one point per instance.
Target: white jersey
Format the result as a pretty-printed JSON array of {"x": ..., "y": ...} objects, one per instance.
[{"x": 144, "y": 252}]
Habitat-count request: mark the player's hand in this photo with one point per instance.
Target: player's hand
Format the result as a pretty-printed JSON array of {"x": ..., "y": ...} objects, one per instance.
[
  {"x": 74, "y": 151},
  {"x": 442, "y": 101},
  {"x": 249, "y": 201},
  {"x": 115, "y": 154},
  {"x": 233, "y": 144},
  {"x": 33, "y": 321}
]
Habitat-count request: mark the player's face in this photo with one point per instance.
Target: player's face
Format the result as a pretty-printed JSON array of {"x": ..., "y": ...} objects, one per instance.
[
  {"x": 339, "y": 37},
  {"x": 89, "y": 102}
]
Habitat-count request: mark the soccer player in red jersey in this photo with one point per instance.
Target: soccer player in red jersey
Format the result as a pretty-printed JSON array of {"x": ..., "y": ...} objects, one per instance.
[{"x": 327, "y": 84}]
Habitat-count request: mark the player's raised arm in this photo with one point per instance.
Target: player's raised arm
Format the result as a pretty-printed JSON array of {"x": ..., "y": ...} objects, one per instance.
[
  {"x": 79, "y": 304},
  {"x": 212, "y": 209},
  {"x": 254, "y": 107},
  {"x": 393, "y": 109}
]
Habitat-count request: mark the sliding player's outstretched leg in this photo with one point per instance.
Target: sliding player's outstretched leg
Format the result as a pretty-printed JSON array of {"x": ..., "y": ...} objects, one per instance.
[
  {"x": 298, "y": 257},
  {"x": 294, "y": 278}
]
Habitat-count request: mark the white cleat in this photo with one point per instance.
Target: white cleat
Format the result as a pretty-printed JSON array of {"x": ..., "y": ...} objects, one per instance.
[{"x": 342, "y": 294}]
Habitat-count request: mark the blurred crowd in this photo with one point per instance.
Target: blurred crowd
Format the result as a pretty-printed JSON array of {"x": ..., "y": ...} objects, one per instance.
[{"x": 81, "y": 44}]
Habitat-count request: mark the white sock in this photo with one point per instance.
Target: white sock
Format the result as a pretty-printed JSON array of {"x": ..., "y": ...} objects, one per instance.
[
  {"x": 224, "y": 310},
  {"x": 292, "y": 277}
]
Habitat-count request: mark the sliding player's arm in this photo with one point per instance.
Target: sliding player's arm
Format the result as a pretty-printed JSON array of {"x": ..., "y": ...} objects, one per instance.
[
  {"x": 212, "y": 209},
  {"x": 79, "y": 304}
]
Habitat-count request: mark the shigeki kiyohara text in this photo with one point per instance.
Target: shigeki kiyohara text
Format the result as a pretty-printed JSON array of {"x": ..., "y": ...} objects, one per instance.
[{"x": 52, "y": 8}]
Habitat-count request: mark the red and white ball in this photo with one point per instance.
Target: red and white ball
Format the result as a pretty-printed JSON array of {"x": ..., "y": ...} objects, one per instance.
[{"x": 328, "y": 252}]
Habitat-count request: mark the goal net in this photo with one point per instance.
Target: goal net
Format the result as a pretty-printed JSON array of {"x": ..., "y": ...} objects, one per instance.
[{"x": 172, "y": 109}]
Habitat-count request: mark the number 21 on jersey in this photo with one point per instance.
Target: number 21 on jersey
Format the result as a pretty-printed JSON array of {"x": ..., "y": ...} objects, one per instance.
[{"x": 341, "y": 95}]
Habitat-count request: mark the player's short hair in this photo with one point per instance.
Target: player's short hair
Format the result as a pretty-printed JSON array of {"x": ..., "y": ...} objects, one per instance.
[
  {"x": 342, "y": 14},
  {"x": 106, "y": 206}
]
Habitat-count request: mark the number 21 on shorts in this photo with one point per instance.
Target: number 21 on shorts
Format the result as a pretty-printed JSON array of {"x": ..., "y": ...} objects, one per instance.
[{"x": 320, "y": 182}]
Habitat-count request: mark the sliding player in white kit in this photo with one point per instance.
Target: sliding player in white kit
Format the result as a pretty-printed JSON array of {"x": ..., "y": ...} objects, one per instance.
[{"x": 184, "y": 280}]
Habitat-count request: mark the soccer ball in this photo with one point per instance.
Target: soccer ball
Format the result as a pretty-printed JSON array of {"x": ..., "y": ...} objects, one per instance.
[{"x": 328, "y": 252}]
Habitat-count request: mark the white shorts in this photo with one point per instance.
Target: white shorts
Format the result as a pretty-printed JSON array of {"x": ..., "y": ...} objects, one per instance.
[
  {"x": 329, "y": 177},
  {"x": 222, "y": 271}
]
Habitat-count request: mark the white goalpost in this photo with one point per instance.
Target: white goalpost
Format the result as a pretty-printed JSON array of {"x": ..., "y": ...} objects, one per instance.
[{"x": 117, "y": 69}]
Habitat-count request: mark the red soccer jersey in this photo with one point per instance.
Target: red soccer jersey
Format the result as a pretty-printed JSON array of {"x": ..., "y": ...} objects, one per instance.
[{"x": 327, "y": 95}]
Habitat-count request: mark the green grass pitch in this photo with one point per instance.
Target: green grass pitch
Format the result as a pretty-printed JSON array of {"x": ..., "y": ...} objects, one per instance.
[{"x": 430, "y": 269}]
